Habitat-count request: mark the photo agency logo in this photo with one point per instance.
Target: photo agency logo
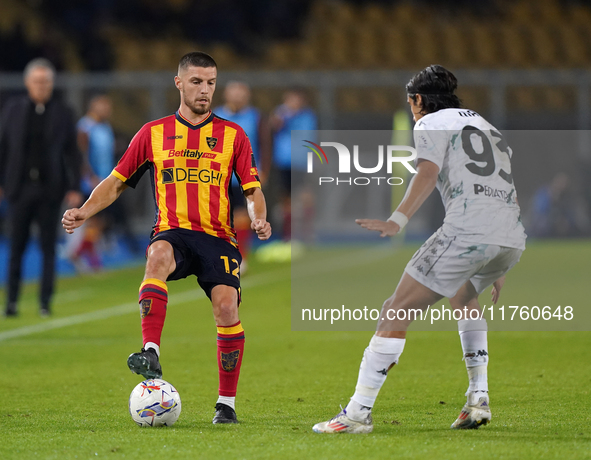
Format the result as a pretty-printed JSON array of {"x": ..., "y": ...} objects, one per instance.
[{"x": 387, "y": 155}]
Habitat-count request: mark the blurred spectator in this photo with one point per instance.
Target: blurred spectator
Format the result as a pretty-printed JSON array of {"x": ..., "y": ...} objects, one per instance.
[
  {"x": 237, "y": 108},
  {"x": 557, "y": 210},
  {"x": 39, "y": 167},
  {"x": 96, "y": 141},
  {"x": 293, "y": 114}
]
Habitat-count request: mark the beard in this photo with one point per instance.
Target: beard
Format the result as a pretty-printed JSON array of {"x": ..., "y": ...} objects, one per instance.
[{"x": 197, "y": 107}]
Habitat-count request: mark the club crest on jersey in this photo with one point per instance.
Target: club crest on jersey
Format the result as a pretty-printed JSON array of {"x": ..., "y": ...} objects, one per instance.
[
  {"x": 145, "y": 307},
  {"x": 230, "y": 360},
  {"x": 212, "y": 142}
]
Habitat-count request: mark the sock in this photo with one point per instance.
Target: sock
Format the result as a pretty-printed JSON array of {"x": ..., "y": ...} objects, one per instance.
[
  {"x": 230, "y": 351},
  {"x": 381, "y": 354},
  {"x": 356, "y": 411},
  {"x": 473, "y": 336},
  {"x": 228, "y": 401},
  {"x": 153, "y": 300},
  {"x": 153, "y": 346}
]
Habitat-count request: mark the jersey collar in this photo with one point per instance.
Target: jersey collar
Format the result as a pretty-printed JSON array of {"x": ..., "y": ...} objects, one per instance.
[{"x": 188, "y": 124}]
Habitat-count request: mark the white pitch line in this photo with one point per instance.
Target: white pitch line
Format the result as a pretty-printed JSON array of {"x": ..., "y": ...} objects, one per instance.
[
  {"x": 335, "y": 263},
  {"x": 120, "y": 310},
  {"x": 67, "y": 321}
]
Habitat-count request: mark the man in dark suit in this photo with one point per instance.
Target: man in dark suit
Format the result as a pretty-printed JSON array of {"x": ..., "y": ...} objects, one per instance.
[{"x": 39, "y": 167}]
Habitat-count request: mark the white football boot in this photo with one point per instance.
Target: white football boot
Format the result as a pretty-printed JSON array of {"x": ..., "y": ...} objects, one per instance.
[
  {"x": 341, "y": 423},
  {"x": 475, "y": 413}
]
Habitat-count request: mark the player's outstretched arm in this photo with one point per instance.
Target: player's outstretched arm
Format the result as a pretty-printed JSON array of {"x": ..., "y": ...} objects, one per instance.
[
  {"x": 257, "y": 211},
  {"x": 102, "y": 196},
  {"x": 419, "y": 189}
]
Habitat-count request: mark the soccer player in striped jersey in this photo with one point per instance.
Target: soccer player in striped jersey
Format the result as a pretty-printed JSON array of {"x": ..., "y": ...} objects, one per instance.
[{"x": 190, "y": 157}]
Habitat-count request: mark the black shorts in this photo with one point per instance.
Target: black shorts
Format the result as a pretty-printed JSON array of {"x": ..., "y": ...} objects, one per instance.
[{"x": 211, "y": 259}]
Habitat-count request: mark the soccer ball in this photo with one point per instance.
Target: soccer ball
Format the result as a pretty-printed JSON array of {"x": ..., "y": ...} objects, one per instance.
[{"x": 154, "y": 403}]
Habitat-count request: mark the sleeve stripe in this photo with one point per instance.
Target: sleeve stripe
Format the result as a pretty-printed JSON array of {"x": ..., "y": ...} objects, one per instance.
[
  {"x": 125, "y": 179},
  {"x": 251, "y": 185},
  {"x": 118, "y": 175}
]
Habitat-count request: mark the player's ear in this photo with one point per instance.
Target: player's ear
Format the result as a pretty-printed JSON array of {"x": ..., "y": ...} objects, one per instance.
[
  {"x": 419, "y": 101},
  {"x": 177, "y": 82}
]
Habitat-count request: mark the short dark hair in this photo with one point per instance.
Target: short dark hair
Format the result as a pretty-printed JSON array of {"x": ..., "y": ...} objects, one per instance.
[
  {"x": 196, "y": 59},
  {"x": 436, "y": 85}
]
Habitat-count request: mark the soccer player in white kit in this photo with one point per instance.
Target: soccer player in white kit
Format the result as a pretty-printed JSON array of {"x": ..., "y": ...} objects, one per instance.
[{"x": 481, "y": 239}]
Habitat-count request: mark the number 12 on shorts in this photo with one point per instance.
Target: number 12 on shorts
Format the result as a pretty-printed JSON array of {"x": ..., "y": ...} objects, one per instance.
[{"x": 227, "y": 266}]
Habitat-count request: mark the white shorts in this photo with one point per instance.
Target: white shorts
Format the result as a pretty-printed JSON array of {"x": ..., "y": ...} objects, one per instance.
[{"x": 444, "y": 264}]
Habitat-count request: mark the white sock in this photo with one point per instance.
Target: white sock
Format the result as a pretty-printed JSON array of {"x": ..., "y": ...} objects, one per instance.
[
  {"x": 228, "y": 401},
  {"x": 356, "y": 411},
  {"x": 152, "y": 345},
  {"x": 381, "y": 354},
  {"x": 473, "y": 335}
]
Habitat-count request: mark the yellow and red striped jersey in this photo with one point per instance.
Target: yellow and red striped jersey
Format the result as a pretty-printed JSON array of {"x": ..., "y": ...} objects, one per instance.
[{"x": 191, "y": 169}]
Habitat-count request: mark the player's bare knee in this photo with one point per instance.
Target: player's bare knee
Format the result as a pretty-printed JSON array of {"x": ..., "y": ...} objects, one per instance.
[
  {"x": 225, "y": 310},
  {"x": 228, "y": 307},
  {"x": 224, "y": 300},
  {"x": 160, "y": 260}
]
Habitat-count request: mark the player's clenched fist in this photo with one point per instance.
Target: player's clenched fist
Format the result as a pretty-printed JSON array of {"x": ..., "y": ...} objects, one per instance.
[
  {"x": 262, "y": 228},
  {"x": 73, "y": 218}
]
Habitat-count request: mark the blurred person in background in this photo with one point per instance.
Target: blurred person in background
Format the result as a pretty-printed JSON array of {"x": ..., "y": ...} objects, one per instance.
[
  {"x": 557, "y": 210},
  {"x": 237, "y": 108},
  {"x": 293, "y": 114},
  {"x": 97, "y": 144},
  {"x": 96, "y": 140},
  {"x": 39, "y": 167}
]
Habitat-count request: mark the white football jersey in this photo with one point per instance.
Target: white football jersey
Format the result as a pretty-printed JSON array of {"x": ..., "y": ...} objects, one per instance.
[{"x": 475, "y": 179}]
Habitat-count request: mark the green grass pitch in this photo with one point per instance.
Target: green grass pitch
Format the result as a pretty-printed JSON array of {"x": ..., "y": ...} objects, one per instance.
[{"x": 65, "y": 388}]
